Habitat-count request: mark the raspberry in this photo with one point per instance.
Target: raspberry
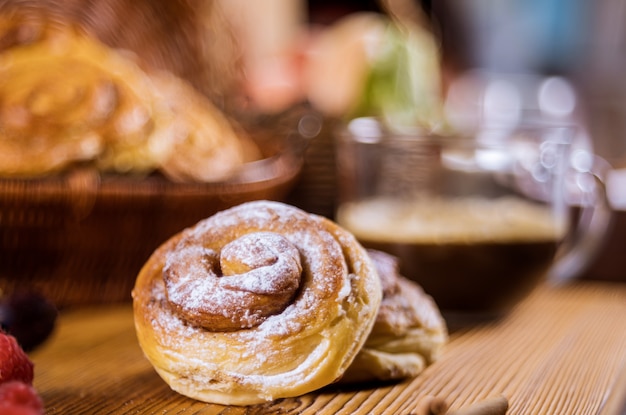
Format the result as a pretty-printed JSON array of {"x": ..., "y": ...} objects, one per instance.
[
  {"x": 14, "y": 362},
  {"x": 19, "y": 398}
]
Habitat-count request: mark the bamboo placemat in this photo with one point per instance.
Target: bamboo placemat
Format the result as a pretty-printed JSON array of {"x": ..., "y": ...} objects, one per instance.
[{"x": 562, "y": 351}]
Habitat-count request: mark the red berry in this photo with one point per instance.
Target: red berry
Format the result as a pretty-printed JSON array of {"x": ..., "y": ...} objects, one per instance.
[
  {"x": 19, "y": 398},
  {"x": 14, "y": 362}
]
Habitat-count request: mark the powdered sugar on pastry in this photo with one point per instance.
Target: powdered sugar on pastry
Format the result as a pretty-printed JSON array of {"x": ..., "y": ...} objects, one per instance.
[
  {"x": 254, "y": 276},
  {"x": 275, "y": 336}
]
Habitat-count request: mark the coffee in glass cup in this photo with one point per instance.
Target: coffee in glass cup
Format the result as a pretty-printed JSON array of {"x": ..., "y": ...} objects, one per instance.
[{"x": 477, "y": 220}]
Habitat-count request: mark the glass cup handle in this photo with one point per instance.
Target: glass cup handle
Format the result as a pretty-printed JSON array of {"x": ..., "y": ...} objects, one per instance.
[{"x": 594, "y": 218}]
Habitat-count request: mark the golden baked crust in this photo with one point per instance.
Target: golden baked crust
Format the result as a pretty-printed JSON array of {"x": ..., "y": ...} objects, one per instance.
[
  {"x": 192, "y": 40},
  {"x": 409, "y": 333},
  {"x": 255, "y": 354},
  {"x": 67, "y": 98},
  {"x": 205, "y": 145}
]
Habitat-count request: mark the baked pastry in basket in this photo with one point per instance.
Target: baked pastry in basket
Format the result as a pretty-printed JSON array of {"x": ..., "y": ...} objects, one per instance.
[
  {"x": 67, "y": 98},
  {"x": 258, "y": 302},
  {"x": 192, "y": 40}
]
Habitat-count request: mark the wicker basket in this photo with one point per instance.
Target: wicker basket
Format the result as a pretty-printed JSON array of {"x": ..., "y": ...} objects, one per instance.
[{"x": 81, "y": 238}]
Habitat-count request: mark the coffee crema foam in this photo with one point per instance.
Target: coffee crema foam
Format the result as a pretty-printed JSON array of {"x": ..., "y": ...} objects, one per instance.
[{"x": 428, "y": 220}]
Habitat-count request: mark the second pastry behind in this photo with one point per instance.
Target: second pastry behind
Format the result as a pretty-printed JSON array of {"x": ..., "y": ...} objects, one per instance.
[{"x": 409, "y": 333}]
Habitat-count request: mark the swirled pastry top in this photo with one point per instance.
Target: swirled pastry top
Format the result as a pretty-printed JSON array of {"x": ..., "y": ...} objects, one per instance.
[
  {"x": 66, "y": 98},
  {"x": 258, "y": 302}
]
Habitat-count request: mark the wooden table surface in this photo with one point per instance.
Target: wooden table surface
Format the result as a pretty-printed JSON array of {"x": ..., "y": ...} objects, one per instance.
[{"x": 561, "y": 351}]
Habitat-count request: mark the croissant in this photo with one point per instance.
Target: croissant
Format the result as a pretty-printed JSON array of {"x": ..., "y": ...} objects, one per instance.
[
  {"x": 409, "y": 333},
  {"x": 257, "y": 302}
]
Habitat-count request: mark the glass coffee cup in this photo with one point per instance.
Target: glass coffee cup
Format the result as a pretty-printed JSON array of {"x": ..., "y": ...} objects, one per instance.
[{"x": 477, "y": 220}]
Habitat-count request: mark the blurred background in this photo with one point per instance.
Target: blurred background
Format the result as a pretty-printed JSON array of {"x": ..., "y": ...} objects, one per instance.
[
  {"x": 582, "y": 42},
  {"x": 295, "y": 69},
  {"x": 564, "y": 59}
]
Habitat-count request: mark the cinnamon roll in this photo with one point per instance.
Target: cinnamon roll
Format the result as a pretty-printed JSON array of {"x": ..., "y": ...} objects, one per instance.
[
  {"x": 258, "y": 302},
  {"x": 67, "y": 98},
  {"x": 409, "y": 333}
]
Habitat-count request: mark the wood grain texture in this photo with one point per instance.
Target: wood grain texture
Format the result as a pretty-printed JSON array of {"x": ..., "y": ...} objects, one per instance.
[{"x": 562, "y": 351}]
